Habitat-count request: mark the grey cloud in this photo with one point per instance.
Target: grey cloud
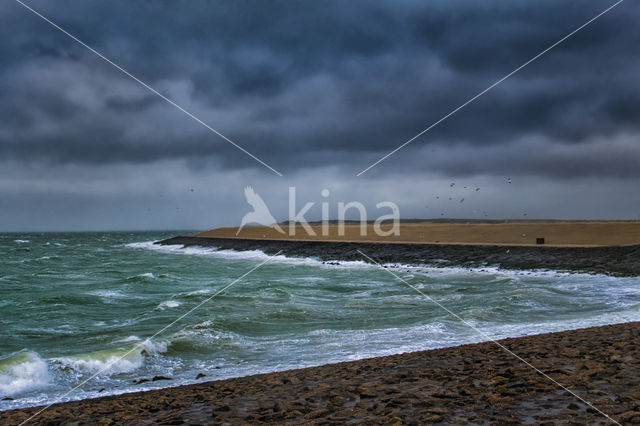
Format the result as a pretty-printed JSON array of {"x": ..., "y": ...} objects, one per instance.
[{"x": 307, "y": 84}]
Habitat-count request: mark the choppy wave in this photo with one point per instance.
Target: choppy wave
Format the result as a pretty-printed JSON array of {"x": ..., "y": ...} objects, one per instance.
[
  {"x": 22, "y": 372},
  {"x": 431, "y": 269},
  {"x": 129, "y": 339},
  {"x": 108, "y": 294},
  {"x": 168, "y": 304},
  {"x": 255, "y": 255},
  {"x": 105, "y": 298},
  {"x": 148, "y": 275},
  {"x": 142, "y": 278},
  {"x": 111, "y": 361}
]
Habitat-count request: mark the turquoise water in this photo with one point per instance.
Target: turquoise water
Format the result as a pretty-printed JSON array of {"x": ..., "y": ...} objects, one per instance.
[{"x": 72, "y": 305}]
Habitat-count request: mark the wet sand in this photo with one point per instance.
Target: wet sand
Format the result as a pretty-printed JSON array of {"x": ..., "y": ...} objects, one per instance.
[
  {"x": 507, "y": 233},
  {"x": 613, "y": 260},
  {"x": 470, "y": 384}
]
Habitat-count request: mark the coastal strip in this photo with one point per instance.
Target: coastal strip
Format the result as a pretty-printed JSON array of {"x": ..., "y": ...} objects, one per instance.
[
  {"x": 476, "y": 383},
  {"x": 556, "y": 233},
  {"x": 610, "y": 260}
]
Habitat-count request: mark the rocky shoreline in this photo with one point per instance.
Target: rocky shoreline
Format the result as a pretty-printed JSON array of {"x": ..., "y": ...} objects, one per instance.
[
  {"x": 470, "y": 384},
  {"x": 613, "y": 260}
]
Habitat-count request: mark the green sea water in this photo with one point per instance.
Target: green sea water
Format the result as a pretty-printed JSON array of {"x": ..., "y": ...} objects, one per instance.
[{"x": 80, "y": 312}]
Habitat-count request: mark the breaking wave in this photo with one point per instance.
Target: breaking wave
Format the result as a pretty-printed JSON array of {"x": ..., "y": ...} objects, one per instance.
[
  {"x": 111, "y": 361},
  {"x": 21, "y": 372}
]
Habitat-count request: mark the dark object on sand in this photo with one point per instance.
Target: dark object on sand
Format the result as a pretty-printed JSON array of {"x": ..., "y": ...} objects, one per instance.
[
  {"x": 156, "y": 378},
  {"x": 540, "y": 240},
  {"x": 200, "y": 376},
  {"x": 7, "y": 398}
]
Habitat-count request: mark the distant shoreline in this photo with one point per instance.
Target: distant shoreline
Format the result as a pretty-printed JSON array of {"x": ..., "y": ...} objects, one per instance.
[
  {"x": 615, "y": 260},
  {"x": 475, "y": 383},
  {"x": 453, "y": 232}
]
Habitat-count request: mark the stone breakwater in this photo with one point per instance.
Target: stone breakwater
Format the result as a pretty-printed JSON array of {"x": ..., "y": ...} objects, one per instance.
[{"x": 613, "y": 260}]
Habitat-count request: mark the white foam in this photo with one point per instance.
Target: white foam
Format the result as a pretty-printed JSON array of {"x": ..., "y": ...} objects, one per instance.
[
  {"x": 112, "y": 361},
  {"x": 428, "y": 269},
  {"x": 256, "y": 255},
  {"x": 100, "y": 362},
  {"x": 203, "y": 335},
  {"x": 152, "y": 348},
  {"x": 129, "y": 339},
  {"x": 108, "y": 294},
  {"x": 169, "y": 304},
  {"x": 21, "y": 241},
  {"x": 198, "y": 292},
  {"x": 22, "y": 372},
  {"x": 61, "y": 329},
  {"x": 146, "y": 276}
]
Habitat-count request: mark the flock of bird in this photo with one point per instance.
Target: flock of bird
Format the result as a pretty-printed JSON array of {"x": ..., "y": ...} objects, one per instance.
[
  {"x": 477, "y": 189},
  {"x": 451, "y": 186}
]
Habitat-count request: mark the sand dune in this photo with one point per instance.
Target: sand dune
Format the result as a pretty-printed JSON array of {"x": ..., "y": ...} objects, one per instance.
[{"x": 517, "y": 233}]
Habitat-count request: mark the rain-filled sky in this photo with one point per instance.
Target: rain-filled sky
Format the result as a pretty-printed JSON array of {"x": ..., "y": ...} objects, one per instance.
[{"x": 318, "y": 90}]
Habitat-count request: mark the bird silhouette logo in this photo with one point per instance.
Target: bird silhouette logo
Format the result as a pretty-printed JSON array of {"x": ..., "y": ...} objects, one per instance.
[{"x": 260, "y": 214}]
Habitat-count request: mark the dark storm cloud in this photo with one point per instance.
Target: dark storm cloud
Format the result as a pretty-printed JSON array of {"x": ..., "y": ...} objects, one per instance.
[{"x": 302, "y": 84}]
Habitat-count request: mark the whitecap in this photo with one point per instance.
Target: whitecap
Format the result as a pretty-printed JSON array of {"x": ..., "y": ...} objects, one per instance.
[
  {"x": 168, "y": 304},
  {"x": 107, "y": 294},
  {"x": 129, "y": 339},
  {"x": 146, "y": 276},
  {"x": 198, "y": 292},
  {"x": 435, "y": 268},
  {"x": 255, "y": 255},
  {"x": 22, "y": 372},
  {"x": 111, "y": 361}
]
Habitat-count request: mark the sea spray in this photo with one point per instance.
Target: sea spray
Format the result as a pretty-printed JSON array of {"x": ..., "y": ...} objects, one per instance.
[
  {"x": 111, "y": 361},
  {"x": 104, "y": 293},
  {"x": 21, "y": 372}
]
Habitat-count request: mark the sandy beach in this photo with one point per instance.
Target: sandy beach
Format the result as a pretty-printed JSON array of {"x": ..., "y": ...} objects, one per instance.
[
  {"x": 506, "y": 233},
  {"x": 470, "y": 384}
]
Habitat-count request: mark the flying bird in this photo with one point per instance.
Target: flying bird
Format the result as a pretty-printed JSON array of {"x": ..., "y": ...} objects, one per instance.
[{"x": 260, "y": 213}]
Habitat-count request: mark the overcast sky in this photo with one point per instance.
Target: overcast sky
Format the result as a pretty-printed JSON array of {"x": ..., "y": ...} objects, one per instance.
[{"x": 319, "y": 90}]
